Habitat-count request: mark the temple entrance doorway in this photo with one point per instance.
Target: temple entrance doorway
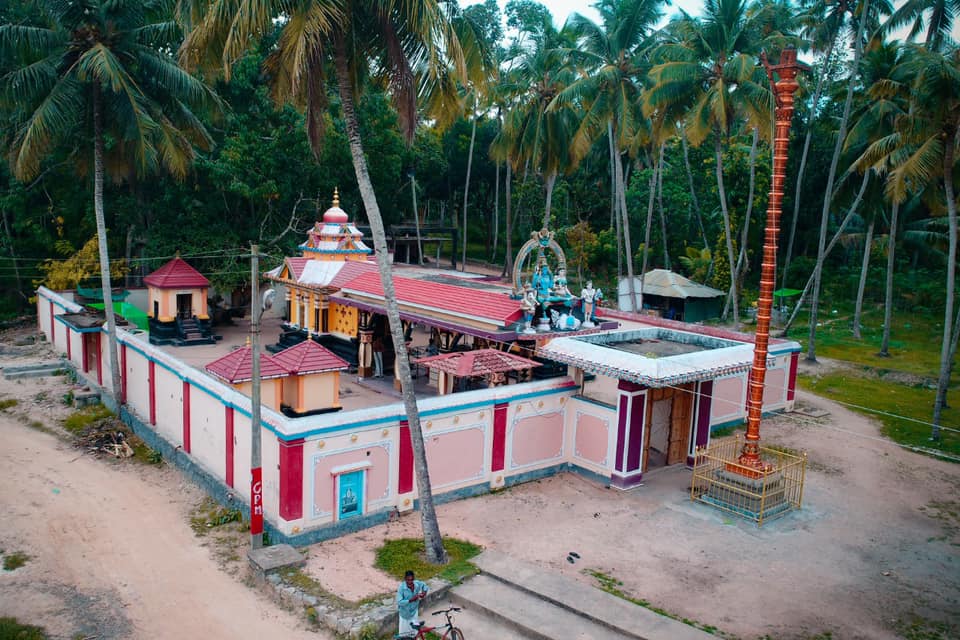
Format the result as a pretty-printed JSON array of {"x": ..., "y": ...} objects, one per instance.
[
  {"x": 669, "y": 419},
  {"x": 184, "y": 305}
]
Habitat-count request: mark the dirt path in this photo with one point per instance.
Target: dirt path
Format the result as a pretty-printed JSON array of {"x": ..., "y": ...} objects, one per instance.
[
  {"x": 875, "y": 550},
  {"x": 111, "y": 552}
]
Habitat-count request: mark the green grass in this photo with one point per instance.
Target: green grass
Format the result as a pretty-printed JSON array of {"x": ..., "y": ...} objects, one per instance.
[
  {"x": 14, "y": 560},
  {"x": 80, "y": 420},
  {"x": 914, "y": 340},
  {"x": 892, "y": 398},
  {"x": 209, "y": 514},
  {"x": 613, "y": 586},
  {"x": 395, "y": 557},
  {"x": 8, "y": 403},
  {"x": 918, "y": 628},
  {"x": 10, "y": 629}
]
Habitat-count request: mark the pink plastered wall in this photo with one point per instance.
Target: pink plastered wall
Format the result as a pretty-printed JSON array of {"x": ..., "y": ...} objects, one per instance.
[
  {"x": 456, "y": 456},
  {"x": 775, "y": 388},
  {"x": 378, "y": 478},
  {"x": 728, "y": 399},
  {"x": 535, "y": 439},
  {"x": 592, "y": 438}
]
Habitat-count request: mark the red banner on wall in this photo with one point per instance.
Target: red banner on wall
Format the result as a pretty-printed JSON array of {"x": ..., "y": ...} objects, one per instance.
[{"x": 256, "y": 501}]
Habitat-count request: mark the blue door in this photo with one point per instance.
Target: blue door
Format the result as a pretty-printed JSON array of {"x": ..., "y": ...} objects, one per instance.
[{"x": 350, "y": 498}]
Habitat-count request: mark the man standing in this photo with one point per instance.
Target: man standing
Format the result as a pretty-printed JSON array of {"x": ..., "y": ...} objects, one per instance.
[
  {"x": 378, "y": 357},
  {"x": 409, "y": 594}
]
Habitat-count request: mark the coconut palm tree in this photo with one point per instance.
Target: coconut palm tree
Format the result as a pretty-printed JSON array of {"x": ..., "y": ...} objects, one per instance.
[
  {"x": 707, "y": 77},
  {"x": 405, "y": 44},
  {"x": 886, "y": 99},
  {"x": 939, "y": 16},
  {"x": 93, "y": 69},
  {"x": 867, "y": 17},
  {"x": 532, "y": 135},
  {"x": 611, "y": 56},
  {"x": 921, "y": 152}
]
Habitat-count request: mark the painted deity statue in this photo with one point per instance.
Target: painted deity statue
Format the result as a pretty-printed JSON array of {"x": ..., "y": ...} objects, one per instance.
[
  {"x": 543, "y": 281},
  {"x": 590, "y": 297},
  {"x": 529, "y": 305},
  {"x": 560, "y": 289}
]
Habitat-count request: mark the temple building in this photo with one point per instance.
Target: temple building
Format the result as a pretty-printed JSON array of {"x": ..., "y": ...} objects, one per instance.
[{"x": 177, "y": 305}]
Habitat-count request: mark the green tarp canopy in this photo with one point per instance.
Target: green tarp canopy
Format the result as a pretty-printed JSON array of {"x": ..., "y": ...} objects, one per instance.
[
  {"x": 786, "y": 293},
  {"x": 97, "y": 294},
  {"x": 128, "y": 311}
]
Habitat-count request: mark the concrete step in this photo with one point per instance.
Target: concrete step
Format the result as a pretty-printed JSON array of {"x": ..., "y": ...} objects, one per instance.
[
  {"x": 530, "y": 616},
  {"x": 474, "y": 624},
  {"x": 617, "y": 614},
  {"x": 37, "y": 370}
]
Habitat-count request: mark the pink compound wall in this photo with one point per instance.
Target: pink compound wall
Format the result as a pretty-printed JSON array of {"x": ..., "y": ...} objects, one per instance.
[
  {"x": 455, "y": 456},
  {"x": 378, "y": 480},
  {"x": 536, "y": 439},
  {"x": 591, "y": 439}
]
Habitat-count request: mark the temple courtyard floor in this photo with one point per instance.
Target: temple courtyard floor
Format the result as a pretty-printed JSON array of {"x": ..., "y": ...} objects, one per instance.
[{"x": 874, "y": 553}]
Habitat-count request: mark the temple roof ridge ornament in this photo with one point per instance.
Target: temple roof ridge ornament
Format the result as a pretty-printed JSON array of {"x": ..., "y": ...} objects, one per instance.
[{"x": 334, "y": 237}]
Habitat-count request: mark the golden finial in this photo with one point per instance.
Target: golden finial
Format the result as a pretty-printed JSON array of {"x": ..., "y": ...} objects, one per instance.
[
  {"x": 248, "y": 341},
  {"x": 336, "y": 197}
]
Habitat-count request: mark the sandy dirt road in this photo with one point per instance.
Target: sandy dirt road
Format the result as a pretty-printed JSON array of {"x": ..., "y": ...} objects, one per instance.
[{"x": 111, "y": 552}]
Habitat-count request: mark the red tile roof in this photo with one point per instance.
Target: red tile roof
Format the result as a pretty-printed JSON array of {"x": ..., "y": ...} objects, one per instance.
[
  {"x": 351, "y": 270},
  {"x": 478, "y": 362},
  {"x": 296, "y": 266},
  {"x": 176, "y": 274},
  {"x": 309, "y": 357},
  {"x": 496, "y": 307},
  {"x": 237, "y": 366}
]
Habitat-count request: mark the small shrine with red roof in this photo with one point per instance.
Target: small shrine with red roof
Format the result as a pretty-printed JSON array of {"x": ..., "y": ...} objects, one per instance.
[
  {"x": 177, "y": 305},
  {"x": 236, "y": 369},
  {"x": 314, "y": 382}
]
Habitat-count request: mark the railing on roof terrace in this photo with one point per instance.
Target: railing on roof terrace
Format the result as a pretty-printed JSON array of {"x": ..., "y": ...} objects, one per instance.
[{"x": 720, "y": 481}]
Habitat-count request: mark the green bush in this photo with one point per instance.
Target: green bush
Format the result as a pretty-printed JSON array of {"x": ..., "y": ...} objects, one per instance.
[
  {"x": 10, "y": 629},
  {"x": 395, "y": 557}
]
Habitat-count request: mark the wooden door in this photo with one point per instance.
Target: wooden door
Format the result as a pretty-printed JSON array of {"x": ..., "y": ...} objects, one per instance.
[{"x": 681, "y": 415}]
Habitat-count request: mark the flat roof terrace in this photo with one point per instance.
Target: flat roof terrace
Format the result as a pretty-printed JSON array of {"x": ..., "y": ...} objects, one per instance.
[{"x": 654, "y": 356}]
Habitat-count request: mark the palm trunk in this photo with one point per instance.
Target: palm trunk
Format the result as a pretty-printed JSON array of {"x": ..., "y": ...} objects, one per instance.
[
  {"x": 943, "y": 380},
  {"x": 496, "y": 211},
  {"x": 13, "y": 255},
  {"x": 432, "y": 540},
  {"x": 864, "y": 267},
  {"x": 888, "y": 297},
  {"x": 663, "y": 217},
  {"x": 508, "y": 241},
  {"x": 416, "y": 216},
  {"x": 466, "y": 191},
  {"x": 833, "y": 242},
  {"x": 549, "y": 181},
  {"x": 613, "y": 177},
  {"x": 646, "y": 231},
  {"x": 727, "y": 231},
  {"x": 693, "y": 190},
  {"x": 828, "y": 189},
  {"x": 112, "y": 342},
  {"x": 625, "y": 224},
  {"x": 803, "y": 159},
  {"x": 745, "y": 235}
]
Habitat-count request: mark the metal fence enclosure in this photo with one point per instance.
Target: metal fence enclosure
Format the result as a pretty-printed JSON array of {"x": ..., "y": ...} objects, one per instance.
[{"x": 719, "y": 480}]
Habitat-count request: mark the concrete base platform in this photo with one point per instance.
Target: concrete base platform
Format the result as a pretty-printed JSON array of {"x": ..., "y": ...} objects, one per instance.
[
  {"x": 269, "y": 559},
  {"x": 544, "y": 605}
]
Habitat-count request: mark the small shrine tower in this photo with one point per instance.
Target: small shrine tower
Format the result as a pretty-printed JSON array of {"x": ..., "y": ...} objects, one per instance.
[{"x": 335, "y": 237}]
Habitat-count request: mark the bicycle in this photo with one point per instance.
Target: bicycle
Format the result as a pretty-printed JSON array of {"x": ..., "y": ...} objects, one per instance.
[{"x": 450, "y": 632}]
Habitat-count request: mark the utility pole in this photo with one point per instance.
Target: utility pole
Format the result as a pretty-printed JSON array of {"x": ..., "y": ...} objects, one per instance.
[
  {"x": 256, "y": 472},
  {"x": 416, "y": 216}
]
